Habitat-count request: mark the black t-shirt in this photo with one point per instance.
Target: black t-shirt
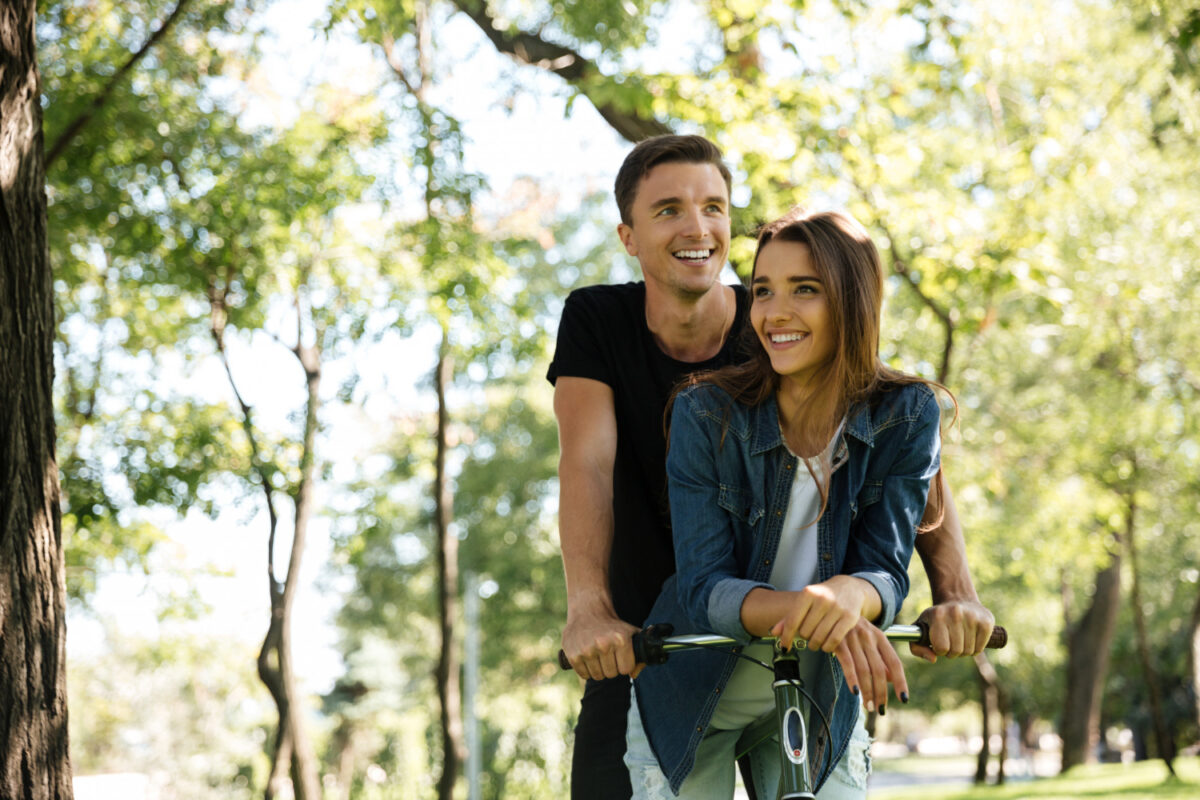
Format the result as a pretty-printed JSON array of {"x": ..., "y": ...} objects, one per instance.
[{"x": 603, "y": 336}]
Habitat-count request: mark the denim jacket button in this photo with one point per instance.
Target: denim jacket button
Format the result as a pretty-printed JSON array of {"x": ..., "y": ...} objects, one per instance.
[{"x": 827, "y": 556}]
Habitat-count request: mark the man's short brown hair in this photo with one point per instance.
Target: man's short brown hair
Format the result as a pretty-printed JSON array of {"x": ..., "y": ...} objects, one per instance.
[{"x": 666, "y": 149}]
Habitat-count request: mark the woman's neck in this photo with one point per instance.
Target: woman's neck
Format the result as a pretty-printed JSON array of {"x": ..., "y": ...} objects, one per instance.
[{"x": 808, "y": 416}]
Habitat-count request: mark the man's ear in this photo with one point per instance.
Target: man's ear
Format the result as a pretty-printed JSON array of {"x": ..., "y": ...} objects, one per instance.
[{"x": 626, "y": 233}]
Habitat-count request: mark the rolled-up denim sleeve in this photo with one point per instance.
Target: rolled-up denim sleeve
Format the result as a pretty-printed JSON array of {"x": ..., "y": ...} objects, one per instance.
[
  {"x": 708, "y": 581},
  {"x": 725, "y": 606},
  {"x": 884, "y": 536}
]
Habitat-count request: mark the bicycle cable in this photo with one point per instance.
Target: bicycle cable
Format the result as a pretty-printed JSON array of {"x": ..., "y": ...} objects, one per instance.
[{"x": 797, "y": 684}]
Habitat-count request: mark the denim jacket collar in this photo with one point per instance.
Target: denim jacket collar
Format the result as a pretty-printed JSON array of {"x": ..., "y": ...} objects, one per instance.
[{"x": 767, "y": 435}]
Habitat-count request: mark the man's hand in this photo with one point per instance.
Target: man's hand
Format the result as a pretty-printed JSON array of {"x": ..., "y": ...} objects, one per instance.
[
  {"x": 956, "y": 628},
  {"x": 870, "y": 663},
  {"x": 599, "y": 645}
]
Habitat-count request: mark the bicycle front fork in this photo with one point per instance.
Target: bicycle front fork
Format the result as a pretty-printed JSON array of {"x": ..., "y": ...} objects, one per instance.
[{"x": 795, "y": 783}]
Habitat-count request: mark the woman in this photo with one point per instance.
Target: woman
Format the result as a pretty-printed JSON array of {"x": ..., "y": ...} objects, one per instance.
[{"x": 797, "y": 482}]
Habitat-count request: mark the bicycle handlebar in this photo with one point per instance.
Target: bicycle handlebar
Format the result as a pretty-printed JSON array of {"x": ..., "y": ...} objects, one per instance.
[{"x": 652, "y": 644}]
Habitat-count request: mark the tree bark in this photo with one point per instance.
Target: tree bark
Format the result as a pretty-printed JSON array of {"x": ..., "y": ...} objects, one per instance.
[
  {"x": 1088, "y": 646},
  {"x": 448, "y": 683},
  {"x": 1166, "y": 749},
  {"x": 34, "y": 759}
]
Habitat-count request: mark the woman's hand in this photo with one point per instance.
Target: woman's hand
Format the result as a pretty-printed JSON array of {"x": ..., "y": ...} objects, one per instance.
[
  {"x": 824, "y": 613},
  {"x": 870, "y": 663}
]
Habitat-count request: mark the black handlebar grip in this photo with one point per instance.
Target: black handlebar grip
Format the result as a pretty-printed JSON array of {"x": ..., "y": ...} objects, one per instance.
[
  {"x": 998, "y": 639},
  {"x": 647, "y": 646}
]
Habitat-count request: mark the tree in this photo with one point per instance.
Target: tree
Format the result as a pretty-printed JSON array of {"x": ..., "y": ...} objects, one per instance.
[{"x": 34, "y": 761}]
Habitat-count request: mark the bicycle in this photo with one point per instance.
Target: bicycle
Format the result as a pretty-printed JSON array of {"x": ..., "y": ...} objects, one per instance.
[{"x": 653, "y": 645}]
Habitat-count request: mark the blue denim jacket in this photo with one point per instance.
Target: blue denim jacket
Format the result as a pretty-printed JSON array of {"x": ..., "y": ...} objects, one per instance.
[{"x": 729, "y": 476}]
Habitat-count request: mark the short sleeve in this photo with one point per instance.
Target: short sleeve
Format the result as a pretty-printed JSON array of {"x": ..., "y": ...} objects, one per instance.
[{"x": 578, "y": 352}]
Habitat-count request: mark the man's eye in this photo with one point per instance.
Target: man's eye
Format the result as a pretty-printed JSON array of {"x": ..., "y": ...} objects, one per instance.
[{"x": 662, "y": 212}]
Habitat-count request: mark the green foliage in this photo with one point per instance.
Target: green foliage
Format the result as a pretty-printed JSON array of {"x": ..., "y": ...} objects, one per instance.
[{"x": 1033, "y": 203}]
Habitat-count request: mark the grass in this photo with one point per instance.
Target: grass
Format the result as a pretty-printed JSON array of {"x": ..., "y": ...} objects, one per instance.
[{"x": 1148, "y": 779}]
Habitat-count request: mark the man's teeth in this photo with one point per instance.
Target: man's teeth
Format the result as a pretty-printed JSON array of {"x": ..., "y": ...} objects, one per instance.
[
  {"x": 779, "y": 338},
  {"x": 693, "y": 254}
]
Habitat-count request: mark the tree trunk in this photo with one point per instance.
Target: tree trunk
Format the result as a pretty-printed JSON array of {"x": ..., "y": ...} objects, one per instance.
[
  {"x": 292, "y": 752},
  {"x": 34, "y": 761},
  {"x": 1166, "y": 749},
  {"x": 1194, "y": 655},
  {"x": 1004, "y": 706},
  {"x": 986, "y": 674},
  {"x": 1088, "y": 645},
  {"x": 449, "y": 689}
]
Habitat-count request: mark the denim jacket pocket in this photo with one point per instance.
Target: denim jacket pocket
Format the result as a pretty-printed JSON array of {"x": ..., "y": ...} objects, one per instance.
[
  {"x": 741, "y": 504},
  {"x": 870, "y": 492}
]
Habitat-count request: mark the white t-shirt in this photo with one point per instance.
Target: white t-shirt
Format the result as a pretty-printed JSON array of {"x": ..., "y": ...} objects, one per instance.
[{"x": 748, "y": 694}]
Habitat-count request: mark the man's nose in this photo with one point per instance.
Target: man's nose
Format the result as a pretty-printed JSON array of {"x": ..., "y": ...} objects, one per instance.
[{"x": 695, "y": 224}]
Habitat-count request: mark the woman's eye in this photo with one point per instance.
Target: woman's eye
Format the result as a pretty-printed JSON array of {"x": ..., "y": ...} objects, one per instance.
[{"x": 761, "y": 292}]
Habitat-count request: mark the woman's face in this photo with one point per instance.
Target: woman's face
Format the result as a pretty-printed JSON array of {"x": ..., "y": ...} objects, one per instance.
[{"x": 790, "y": 311}]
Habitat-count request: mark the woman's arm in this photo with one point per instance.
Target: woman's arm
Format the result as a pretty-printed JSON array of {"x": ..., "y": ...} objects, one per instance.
[
  {"x": 882, "y": 538},
  {"x": 822, "y": 613},
  {"x": 709, "y": 580}
]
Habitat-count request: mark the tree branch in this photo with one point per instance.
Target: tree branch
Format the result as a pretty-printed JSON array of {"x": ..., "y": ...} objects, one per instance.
[
  {"x": 217, "y": 299},
  {"x": 531, "y": 49},
  {"x": 72, "y": 130},
  {"x": 901, "y": 268}
]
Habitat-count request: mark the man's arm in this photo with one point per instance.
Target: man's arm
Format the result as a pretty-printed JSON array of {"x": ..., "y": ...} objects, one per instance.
[
  {"x": 958, "y": 623},
  {"x": 595, "y": 640}
]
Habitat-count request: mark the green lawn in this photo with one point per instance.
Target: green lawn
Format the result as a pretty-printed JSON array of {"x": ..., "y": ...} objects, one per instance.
[{"x": 1127, "y": 781}]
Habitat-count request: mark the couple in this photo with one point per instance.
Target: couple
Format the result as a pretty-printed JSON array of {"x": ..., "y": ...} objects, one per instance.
[{"x": 797, "y": 472}]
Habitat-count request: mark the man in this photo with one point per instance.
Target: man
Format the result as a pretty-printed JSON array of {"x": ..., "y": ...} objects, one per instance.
[{"x": 621, "y": 349}]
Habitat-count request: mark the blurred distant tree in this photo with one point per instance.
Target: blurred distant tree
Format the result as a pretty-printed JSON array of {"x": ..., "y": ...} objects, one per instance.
[
  {"x": 34, "y": 761},
  {"x": 977, "y": 144},
  {"x": 182, "y": 228},
  {"x": 502, "y": 457}
]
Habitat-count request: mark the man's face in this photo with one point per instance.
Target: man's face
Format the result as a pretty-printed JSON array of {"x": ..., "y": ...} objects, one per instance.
[{"x": 679, "y": 229}]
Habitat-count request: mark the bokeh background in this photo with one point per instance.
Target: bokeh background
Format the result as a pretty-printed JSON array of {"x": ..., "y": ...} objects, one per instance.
[{"x": 308, "y": 263}]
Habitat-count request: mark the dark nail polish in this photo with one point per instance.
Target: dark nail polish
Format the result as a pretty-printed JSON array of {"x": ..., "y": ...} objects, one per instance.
[
  {"x": 904, "y": 697},
  {"x": 883, "y": 711},
  {"x": 855, "y": 690}
]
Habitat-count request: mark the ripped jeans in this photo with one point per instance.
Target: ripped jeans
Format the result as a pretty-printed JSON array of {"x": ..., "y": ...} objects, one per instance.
[{"x": 712, "y": 777}]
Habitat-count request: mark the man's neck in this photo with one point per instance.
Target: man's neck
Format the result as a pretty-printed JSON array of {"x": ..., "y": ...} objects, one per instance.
[{"x": 687, "y": 329}]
